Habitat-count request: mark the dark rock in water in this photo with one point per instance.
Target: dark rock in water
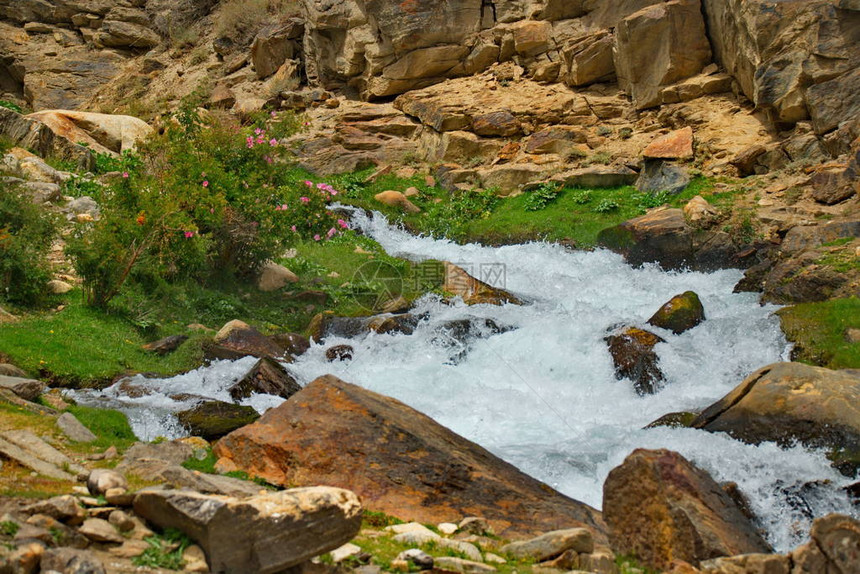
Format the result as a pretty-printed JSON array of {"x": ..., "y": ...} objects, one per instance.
[
  {"x": 659, "y": 176},
  {"x": 734, "y": 492},
  {"x": 265, "y": 533},
  {"x": 474, "y": 291},
  {"x": 789, "y": 402},
  {"x": 660, "y": 507},
  {"x": 459, "y": 334},
  {"x": 293, "y": 343},
  {"x": 165, "y": 345},
  {"x": 682, "y": 419},
  {"x": 659, "y": 236},
  {"x": 213, "y": 419},
  {"x": 237, "y": 339},
  {"x": 403, "y": 324},
  {"x": 681, "y": 313},
  {"x": 633, "y": 354},
  {"x": 339, "y": 353},
  {"x": 267, "y": 377},
  {"x": 398, "y": 461}
]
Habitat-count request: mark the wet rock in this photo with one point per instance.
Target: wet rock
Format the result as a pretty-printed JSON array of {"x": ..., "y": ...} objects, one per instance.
[
  {"x": 267, "y": 377},
  {"x": 633, "y": 355},
  {"x": 165, "y": 345},
  {"x": 339, "y": 353},
  {"x": 394, "y": 324},
  {"x": 474, "y": 291},
  {"x": 552, "y": 544},
  {"x": 237, "y": 339},
  {"x": 788, "y": 402},
  {"x": 71, "y": 561},
  {"x": 658, "y": 176},
  {"x": 674, "y": 145},
  {"x": 658, "y": 46},
  {"x": 265, "y": 533},
  {"x": 681, "y": 313},
  {"x": 660, "y": 507},
  {"x": 660, "y": 236},
  {"x": 73, "y": 428},
  {"x": 293, "y": 343},
  {"x": 400, "y": 461},
  {"x": 213, "y": 419},
  {"x": 27, "y": 389},
  {"x": 834, "y": 546},
  {"x": 101, "y": 480},
  {"x": 681, "y": 419},
  {"x": 273, "y": 277}
]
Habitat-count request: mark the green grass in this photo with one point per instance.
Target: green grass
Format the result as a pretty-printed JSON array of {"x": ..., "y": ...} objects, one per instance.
[
  {"x": 85, "y": 346},
  {"x": 110, "y": 426},
  {"x": 165, "y": 551},
  {"x": 818, "y": 331}
]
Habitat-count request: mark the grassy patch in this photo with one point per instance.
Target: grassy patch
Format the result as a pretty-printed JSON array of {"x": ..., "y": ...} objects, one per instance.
[
  {"x": 165, "y": 551},
  {"x": 819, "y": 332},
  {"x": 111, "y": 427},
  {"x": 85, "y": 346}
]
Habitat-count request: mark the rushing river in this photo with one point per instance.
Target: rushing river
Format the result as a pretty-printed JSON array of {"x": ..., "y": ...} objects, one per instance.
[{"x": 543, "y": 394}]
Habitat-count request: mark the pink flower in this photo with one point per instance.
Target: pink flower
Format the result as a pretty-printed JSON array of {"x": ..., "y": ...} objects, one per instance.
[
  {"x": 125, "y": 175},
  {"x": 331, "y": 232},
  {"x": 250, "y": 141},
  {"x": 189, "y": 234},
  {"x": 343, "y": 224},
  {"x": 304, "y": 199},
  {"x": 273, "y": 142},
  {"x": 309, "y": 183},
  {"x": 206, "y": 184},
  {"x": 293, "y": 228},
  {"x": 211, "y": 210},
  {"x": 268, "y": 159},
  {"x": 317, "y": 237},
  {"x": 258, "y": 131},
  {"x": 274, "y": 115}
]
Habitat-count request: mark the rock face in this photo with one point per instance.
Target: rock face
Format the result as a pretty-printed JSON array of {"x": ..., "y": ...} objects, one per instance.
[
  {"x": 787, "y": 402},
  {"x": 397, "y": 459},
  {"x": 660, "y": 507},
  {"x": 660, "y": 45},
  {"x": 794, "y": 59},
  {"x": 266, "y": 533},
  {"x": 633, "y": 354},
  {"x": 104, "y": 133},
  {"x": 681, "y": 313}
]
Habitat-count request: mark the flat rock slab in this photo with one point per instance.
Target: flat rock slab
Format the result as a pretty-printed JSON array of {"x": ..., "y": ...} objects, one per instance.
[
  {"x": 32, "y": 452},
  {"x": 552, "y": 544},
  {"x": 398, "y": 460},
  {"x": 264, "y": 534},
  {"x": 74, "y": 429}
]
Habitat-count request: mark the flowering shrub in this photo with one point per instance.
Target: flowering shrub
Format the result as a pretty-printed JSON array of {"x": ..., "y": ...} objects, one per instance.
[{"x": 205, "y": 198}]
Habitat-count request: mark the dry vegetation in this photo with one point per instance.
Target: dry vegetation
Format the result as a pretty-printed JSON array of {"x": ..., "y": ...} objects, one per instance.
[{"x": 240, "y": 20}]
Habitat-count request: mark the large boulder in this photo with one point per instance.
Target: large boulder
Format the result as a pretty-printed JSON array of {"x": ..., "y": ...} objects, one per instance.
[
  {"x": 589, "y": 60},
  {"x": 790, "y": 58},
  {"x": 104, "y": 133},
  {"x": 789, "y": 402},
  {"x": 274, "y": 45},
  {"x": 398, "y": 460},
  {"x": 27, "y": 389},
  {"x": 660, "y": 45},
  {"x": 680, "y": 313},
  {"x": 34, "y": 135},
  {"x": 660, "y": 507},
  {"x": 129, "y": 35},
  {"x": 661, "y": 236},
  {"x": 267, "y": 533},
  {"x": 213, "y": 419}
]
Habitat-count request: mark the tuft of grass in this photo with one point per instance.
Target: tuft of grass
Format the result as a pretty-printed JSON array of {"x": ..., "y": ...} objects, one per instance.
[
  {"x": 818, "y": 332},
  {"x": 165, "y": 550},
  {"x": 110, "y": 426},
  {"x": 9, "y": 528}
]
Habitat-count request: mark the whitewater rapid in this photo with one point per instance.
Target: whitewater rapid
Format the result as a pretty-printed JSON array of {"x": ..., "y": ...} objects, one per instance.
[{"x": 543, "y": 395}]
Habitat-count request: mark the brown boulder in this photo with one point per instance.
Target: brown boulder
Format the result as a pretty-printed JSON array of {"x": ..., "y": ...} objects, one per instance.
[
  {"x": 104, "y": 133},
  {"x": 658, "y": 46},
  {"x": 474, "y": 291},
  {"x": 660, "y": 507},
  {"x": 237, "y": 339},
  {"x": 674, "y": 145},
  {"x": 833, "y": 186},
  {"x": 398, "y": 460},
  {"x": 589, "y": 60},
  {"x": 396, "y": 199},
  {"x": 274, "y": 45},
  {"x": 496, "y": 124},
  {"x": 268, "y": 377},
  {"x": 834, "y": 547},
  {"x": 634, "y": 358},
  {"x": 788, "y": 402},
  {"x": 211, "y": 420},
  {"x": 661, "y": 236}
]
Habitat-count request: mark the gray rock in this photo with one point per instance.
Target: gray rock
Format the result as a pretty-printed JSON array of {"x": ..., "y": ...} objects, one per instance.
[
  {"x": 30, "y": 451},
  {"x": 657, "y": 176},
  {"x": 74, "y": 429},
  {"x": 121, "y": 520},
  {"x": 599, "y": 176},
  {"x": 99, "y": 530},
  {"x": 453, "y": 564},
  {"x": 27, "y": 389},
  {"x": 71, "y": 561},
  {"x": 418, "y": 557},
  {"x": 7, "y": 370},
  {"x": 266, "y": 533},
  {"x": 101, "y": 480},
  {"x": 84, "y": 204},
  {"x": 552, "y": 544}
]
